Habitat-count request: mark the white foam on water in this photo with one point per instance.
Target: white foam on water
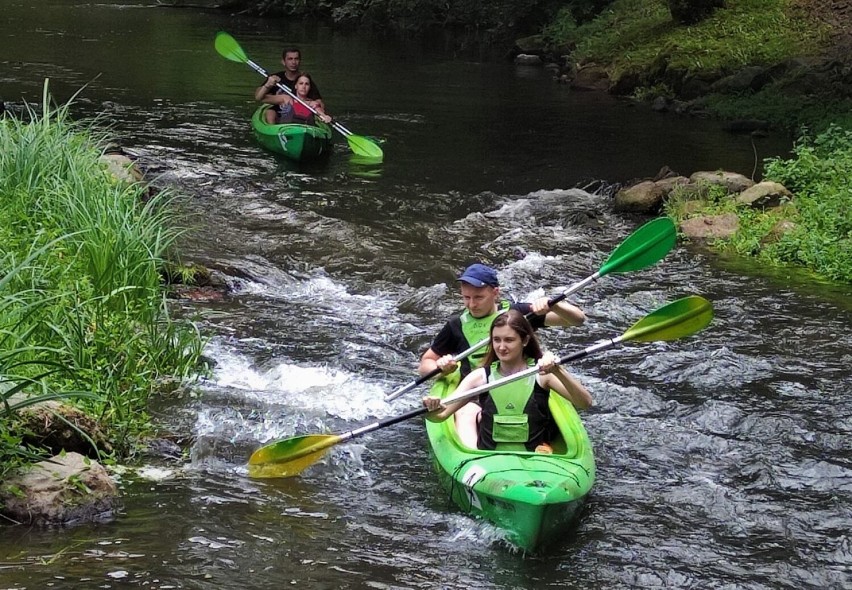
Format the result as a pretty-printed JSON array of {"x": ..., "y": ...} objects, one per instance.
[
  {"x": 152, "y": 473},
  {"x": 310, "y": 388},
  {"x": 319, "y": 289}
]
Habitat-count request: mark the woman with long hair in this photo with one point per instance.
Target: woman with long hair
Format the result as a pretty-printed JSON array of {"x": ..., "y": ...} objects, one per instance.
[{"x": 516, "y": 413}]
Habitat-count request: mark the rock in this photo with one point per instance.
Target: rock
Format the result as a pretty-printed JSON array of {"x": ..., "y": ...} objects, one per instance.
[
  {"x": 660, "y": 104},
  {"x": 667, "y": 185},
  {"x": 121, "y": 168},
  {"x": 67, "y": 489},
  {"x": 764, "y": 195},
  {"x": 666, "y": 172},
  {"x": 591, "y": 77},
  {"x": 693, "y": 87},
  {"x": 61, "y": 427},
  {"x": 525, "y": 59},
  {"x": 645, "y": 197},
  {"x": 206, "y": 294},
  {"x": 710, "y": 227},
  {"x": 751, "y": 78},
  {"x": 626, "y": 83},
  {"x": 534, "y": 44},
  {"x": 733, "y": 182}
]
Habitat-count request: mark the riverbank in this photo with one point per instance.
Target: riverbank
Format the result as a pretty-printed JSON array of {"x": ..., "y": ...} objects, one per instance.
[
  {"x": 758, "y": 63},
  {"x": 771, "y": 62},
  {"x": 83, "y": 317},
  {"x": 799, "y": 214}
]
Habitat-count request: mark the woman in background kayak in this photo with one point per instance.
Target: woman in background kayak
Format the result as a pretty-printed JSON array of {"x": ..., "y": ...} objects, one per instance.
[
  {"x": 289, "y": 110},
  {"x": 515, "y": 413}
]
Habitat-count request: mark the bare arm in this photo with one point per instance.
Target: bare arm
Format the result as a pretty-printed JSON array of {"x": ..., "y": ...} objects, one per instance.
[
  {"x": 561, "y": 314},
  {"x": 431, "y": 361},
  {"x": 433, "y": 404},
  {"x": 265, "y": 90},
  {"x": 555, "y": 377}
]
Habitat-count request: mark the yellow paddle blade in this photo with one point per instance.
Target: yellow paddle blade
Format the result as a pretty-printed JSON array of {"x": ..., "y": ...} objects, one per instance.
[
  {"x": 291, "y": 456},
  {"x": 677, "y": 319}
]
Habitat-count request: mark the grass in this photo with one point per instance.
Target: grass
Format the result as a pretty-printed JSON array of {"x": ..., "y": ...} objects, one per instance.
[
  {"x": 634, "y": 34},
  {"x": 639, "y": 39},
  {"x": 819, "y": 217},
  {"x": 82, "y": 306}
]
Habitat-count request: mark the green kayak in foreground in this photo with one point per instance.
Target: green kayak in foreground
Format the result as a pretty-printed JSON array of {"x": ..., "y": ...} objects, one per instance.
[
  {"x": 535, "y": 497},
  {"x": 294, "y": 140}
]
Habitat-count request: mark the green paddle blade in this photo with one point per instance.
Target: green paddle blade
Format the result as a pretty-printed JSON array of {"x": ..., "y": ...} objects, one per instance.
[
  {"x": 367, "y": 148},
  {"x": 646, "y": 246},
  {"x": 677, "y": 319},
  {"x": 291, "y": 456},
  {"x": 228, "y": 47}
]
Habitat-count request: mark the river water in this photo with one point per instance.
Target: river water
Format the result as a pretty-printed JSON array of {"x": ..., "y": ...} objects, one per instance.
[{"x": 723, "y": 459}]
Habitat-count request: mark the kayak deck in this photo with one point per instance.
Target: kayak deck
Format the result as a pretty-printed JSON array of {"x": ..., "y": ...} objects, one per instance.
[
  {"x": 534, "y": 497},
  {"x": 296, "y": 141}
]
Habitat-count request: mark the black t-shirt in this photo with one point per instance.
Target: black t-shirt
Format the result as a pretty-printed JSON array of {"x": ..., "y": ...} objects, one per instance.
[
  {"x": 451, "y": 340},
  {"x": 313, "y": 93}
]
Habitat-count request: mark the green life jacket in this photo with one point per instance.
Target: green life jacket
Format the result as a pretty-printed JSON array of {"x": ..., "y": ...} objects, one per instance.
[
  {"x": 478, "y": 329},
  {"x": 511, "y": 427}
]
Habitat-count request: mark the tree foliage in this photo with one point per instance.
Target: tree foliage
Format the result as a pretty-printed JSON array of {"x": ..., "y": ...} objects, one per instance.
[{"x": 497, "y": 19}]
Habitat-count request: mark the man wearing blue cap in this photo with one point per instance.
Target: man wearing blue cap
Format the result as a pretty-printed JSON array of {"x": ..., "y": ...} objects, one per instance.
[{"x": 480, "y": 291}]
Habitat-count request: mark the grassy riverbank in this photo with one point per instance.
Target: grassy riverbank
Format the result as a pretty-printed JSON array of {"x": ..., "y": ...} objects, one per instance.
[
  {"x": 82, "y": 308},
  {"x": 814, "y": 229},
  {"x": 639, "y": 39},
  {"x": 803, "y": 49}
]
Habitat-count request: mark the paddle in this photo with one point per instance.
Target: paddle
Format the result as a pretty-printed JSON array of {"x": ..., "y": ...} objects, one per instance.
[
  {"x": 291, "y": 456},
  {"x": 228, "y": 48},
  {"x": 646, "y": 246}
]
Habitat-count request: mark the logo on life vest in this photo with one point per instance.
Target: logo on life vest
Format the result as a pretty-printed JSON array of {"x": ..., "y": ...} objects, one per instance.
[{"x": 510, "y": 406}]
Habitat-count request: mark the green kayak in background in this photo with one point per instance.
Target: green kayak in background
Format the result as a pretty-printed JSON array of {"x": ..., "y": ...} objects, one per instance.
[
  {"x": 294, "y": 140},
  {"x": 535, "y": 497}
]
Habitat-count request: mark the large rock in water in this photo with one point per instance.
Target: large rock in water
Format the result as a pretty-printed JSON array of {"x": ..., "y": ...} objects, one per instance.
[{"x": 67, "y": 489}]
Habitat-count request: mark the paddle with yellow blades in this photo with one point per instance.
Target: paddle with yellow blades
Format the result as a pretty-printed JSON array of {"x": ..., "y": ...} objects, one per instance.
[
  {"x": 646, "y": 246},
  {"x": 289, "y": 457},
  {"x": 228, "y": 48}
]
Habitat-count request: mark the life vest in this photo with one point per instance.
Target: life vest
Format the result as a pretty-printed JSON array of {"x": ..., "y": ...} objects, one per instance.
[
  {"x": 303, "y": 113},
  {"x": 515, "y": 416},
  {"x": 476, "y": 330},
  {"x": 296, "y": 112}
]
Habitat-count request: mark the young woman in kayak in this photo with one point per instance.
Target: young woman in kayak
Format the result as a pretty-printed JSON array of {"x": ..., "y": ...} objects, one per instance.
[
  {"x": 289, "y": 110},
  {"x": 515, "y": 413}
]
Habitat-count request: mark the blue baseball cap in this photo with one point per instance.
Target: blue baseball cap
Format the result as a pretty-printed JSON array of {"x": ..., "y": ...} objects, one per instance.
[{"x": 479, "y": 275}]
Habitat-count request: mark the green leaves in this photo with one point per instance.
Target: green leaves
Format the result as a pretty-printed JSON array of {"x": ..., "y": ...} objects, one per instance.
[{"x": 82, "y": 308}]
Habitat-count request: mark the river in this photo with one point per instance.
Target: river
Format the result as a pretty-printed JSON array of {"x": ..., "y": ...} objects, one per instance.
[{"x": 723, "y": 459}]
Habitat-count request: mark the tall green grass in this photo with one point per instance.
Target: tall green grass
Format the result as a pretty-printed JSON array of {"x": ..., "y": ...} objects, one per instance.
[{"x": 82, "y": 307}]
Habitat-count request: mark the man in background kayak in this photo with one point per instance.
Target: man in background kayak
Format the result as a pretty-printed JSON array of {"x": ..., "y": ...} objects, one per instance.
[
  {"x": 480, "y": 291},
  {"x": 269, "y": 92}
]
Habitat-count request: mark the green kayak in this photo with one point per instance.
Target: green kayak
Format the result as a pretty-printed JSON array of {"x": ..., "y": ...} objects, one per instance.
[
  {"x": 296, "y": 141},
  {"x": 533, "y": 496}
]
